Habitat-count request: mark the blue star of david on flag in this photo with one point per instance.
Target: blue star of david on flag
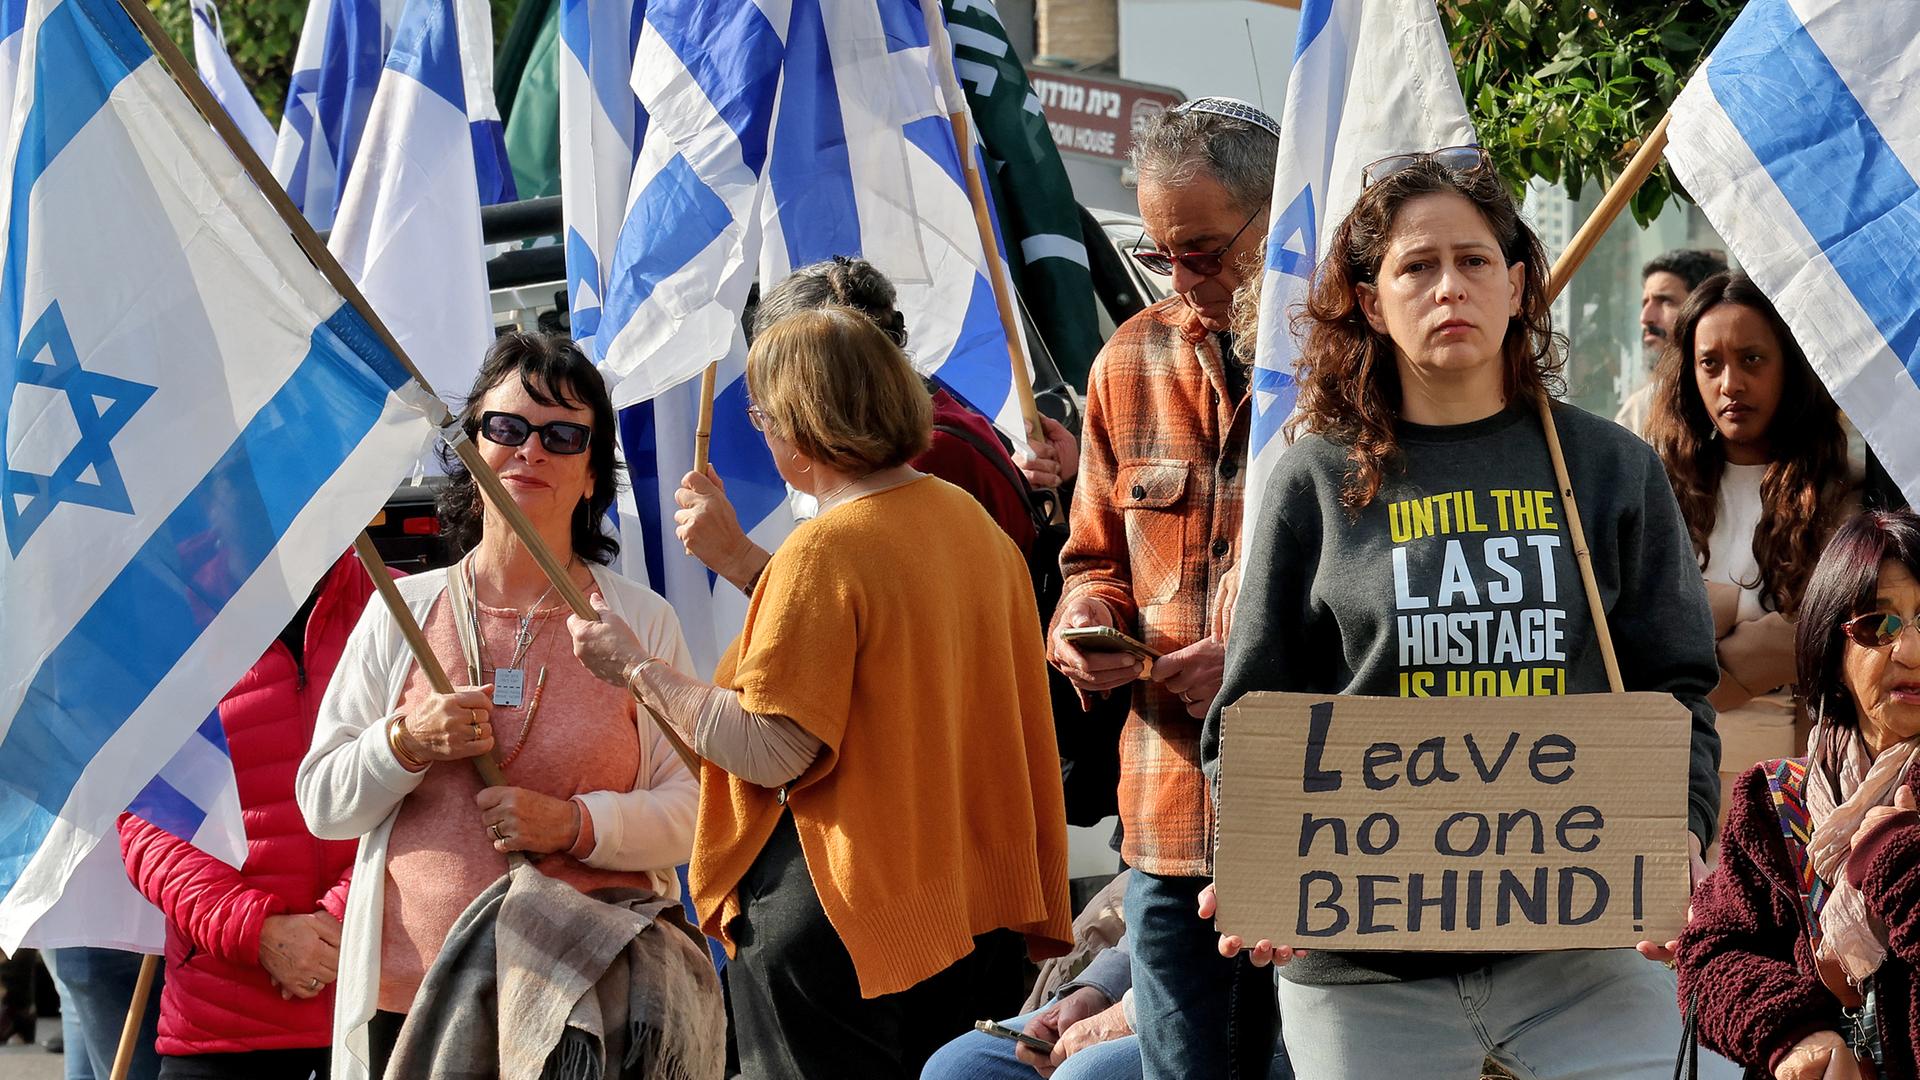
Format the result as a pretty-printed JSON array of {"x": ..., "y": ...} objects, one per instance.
[{"x": 101, "y": 404}]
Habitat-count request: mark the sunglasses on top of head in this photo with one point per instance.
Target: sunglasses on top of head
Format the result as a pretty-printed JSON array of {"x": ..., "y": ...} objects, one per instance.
[
  {"x": 1204, "y": 264},
  {"x": 1466, "y": 162},
  {"x": 512, "y": 429},
  {"x": 1877, "y": 629}
]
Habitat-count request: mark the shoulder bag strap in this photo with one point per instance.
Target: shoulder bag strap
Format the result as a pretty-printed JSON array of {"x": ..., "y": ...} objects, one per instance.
[{"x": 997, "y": 457}]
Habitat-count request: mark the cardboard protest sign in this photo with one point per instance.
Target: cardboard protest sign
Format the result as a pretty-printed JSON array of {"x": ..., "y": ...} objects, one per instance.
[{"x": 1453, "y": 824}]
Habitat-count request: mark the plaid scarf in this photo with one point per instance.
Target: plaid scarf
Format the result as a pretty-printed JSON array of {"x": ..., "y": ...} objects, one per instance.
[{"x": 537, "y": 981}]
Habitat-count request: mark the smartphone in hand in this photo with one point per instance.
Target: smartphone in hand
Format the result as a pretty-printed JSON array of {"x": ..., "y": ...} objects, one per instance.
[
  {"x": 1001, "y": 1031},
  {"x": 1106, "y": 639}
]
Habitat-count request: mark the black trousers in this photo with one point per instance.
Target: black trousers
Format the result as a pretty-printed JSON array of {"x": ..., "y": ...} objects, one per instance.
[
  {"x": 383, "y": 1034},
  {"x": 796, "y": 1000},
  {"x": 311, "y": 1064}
]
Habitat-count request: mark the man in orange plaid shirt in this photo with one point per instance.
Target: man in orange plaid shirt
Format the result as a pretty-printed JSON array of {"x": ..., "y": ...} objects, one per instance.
[{"x": 1155, "y": 529}]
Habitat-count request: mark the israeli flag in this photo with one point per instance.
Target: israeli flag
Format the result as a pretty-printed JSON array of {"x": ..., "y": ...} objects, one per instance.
[
  {"x": 223, "y": 79},
  {"x": 1370, "y": 78},
  {"x": 733, "y": 141},
  {"x": 601, "y": 125},
  {"x": 778, "y": 135},
  {"x": 195, "y": 426},
  {"x": 1801, "y": 143},
  {"x": 336, "y": 69},
  {"x": 409, "y": 225}
]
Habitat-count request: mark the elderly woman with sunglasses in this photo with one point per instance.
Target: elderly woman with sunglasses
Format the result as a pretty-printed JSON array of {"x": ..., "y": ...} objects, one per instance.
[
  {"x": 1428, "y": 353},
  {"x": 594, "y": 791},
  {"x": 1810, "y": 926}
]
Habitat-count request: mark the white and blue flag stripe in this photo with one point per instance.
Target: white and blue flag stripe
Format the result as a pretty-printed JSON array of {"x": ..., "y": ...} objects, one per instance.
[
  {"x": 192, "y": 406},
  {"x": 1801, "y": 143},
  {"x": 194, "y": 797},
  {"x": 1370, "y": 78},
  {"x": 223, "y": 79},
  {"x": 601, "y": 125},
  {"x": 336, "y": 69},
  {"x": 408, "y": 231},
  {"x": 13, "y": 15}
]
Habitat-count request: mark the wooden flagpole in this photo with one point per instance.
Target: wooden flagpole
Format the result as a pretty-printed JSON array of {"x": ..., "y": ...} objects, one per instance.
[
  {"x": 136, "y": 1012},
  {"x": 1603, "y": 216},
  {"x": 997, "y": 272},
  {"x": 703, "y": 429},
  {"x": 185, "y": 77}
]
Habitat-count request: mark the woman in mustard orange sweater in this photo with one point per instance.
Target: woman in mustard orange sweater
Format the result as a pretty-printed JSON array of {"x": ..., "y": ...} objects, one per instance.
[{"x": 881, "y": 822}]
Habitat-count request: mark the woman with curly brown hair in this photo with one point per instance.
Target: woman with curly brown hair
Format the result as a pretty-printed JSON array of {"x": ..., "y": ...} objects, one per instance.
[
  {"x": 1754, "y": 448},
  {"x": 1412, "y": 542}
]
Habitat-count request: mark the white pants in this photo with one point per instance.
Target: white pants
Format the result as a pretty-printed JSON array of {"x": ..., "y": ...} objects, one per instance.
[{"x": 1589, "y": 1015}]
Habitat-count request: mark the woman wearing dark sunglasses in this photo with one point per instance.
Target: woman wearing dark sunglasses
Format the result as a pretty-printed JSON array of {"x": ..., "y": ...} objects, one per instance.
[
  {"x": 1414, "y": 526},
  {"x": 594, "y": 791},
  {"x": 1810, "y": 926}
]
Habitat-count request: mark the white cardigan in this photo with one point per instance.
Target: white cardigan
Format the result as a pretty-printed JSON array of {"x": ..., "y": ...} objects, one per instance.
[{"x": 350, "y": 785}]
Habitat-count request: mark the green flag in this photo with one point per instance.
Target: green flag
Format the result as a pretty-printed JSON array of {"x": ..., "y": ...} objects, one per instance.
[
  {"x": 527, "y": 78},
  {"x": 1038, "y": 216}
]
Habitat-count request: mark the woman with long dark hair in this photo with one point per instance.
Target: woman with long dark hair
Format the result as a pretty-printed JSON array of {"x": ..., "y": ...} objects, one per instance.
[
  {"x": 594, "y": 791},
  {"x": 1757, "y": 456},
  {"x": 1803, "y": 952},
  {"x": 1410, "y": 531}
]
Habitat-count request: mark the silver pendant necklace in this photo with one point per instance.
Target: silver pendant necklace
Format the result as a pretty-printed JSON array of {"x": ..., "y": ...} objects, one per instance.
[{"x": 510, "y": 682}]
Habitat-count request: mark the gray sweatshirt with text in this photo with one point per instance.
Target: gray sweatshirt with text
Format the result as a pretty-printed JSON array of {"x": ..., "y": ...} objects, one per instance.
[{"x": 1459, "y": 579}]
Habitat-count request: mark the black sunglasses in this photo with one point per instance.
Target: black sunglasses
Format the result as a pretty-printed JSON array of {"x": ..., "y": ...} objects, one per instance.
[
  {"x": 1203, "y": 263},
  {"x": 1876, "y": 629},
  {"x": 512, "y": 429},
  {"x": 1462, "y": 161}
]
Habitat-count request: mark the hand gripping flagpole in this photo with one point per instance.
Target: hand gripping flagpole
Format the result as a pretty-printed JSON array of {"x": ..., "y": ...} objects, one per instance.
[
  {"x": 185, "y": 76},
  {"x": 1564, "y": 267}
]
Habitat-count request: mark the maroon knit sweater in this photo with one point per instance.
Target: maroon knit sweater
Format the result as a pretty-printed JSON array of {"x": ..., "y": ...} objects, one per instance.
[{"x": 1745, "y": 959}]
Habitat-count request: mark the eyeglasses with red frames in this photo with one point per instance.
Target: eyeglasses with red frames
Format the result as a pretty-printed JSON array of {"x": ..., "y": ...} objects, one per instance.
[
  {"x": 1204, "y": 264},
  {"x": 512, "y": 429},
  {"x": 1462, "y": 161},
  {"x": 1877, "y": 629}
]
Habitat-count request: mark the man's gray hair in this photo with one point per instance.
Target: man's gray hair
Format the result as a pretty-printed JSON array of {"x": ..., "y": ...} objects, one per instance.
[{"x": 1176, "y": 144}]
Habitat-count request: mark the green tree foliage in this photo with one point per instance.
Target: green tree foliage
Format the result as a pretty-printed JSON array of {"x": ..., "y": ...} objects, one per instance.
[
  {"x": 1565, "y": 90},
  {"x": 262, "y": 36}
]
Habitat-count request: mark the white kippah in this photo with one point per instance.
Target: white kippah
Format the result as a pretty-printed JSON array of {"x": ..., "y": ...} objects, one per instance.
[{"x": 1233, "y": 108}]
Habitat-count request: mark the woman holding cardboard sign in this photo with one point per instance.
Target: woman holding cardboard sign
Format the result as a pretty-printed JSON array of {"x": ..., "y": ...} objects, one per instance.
[
  {"x": 1412, "y": 543},
  {"x": 1805, "y": 997}
]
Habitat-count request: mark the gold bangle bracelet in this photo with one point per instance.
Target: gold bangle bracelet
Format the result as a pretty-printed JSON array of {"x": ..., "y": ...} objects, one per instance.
[{"x": 399, "y": 748}]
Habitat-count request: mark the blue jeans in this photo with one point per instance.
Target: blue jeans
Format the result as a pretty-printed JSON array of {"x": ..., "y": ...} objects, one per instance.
[
  {"x": 979, "y": 1056},
  {"x": 96, "y": 987},
  {"x": 1198, "y": 1013},
  {"x": 1606, "y": 1014}
]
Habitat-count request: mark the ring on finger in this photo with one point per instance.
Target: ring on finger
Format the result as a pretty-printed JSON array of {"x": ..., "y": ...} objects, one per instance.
[
  {"x": 476, "y": 731},
  {"x": 313, "y": 984},
  {"x": 497, "y": 834}
]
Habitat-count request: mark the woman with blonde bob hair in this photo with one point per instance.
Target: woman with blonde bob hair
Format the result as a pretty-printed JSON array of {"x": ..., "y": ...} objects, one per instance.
[
  {"x": 881, "y": 838},
  {"x": 1412, "y": 542}
]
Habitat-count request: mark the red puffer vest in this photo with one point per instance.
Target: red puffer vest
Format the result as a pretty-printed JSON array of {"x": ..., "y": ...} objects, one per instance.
[{"x": 217, "y": 998}]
